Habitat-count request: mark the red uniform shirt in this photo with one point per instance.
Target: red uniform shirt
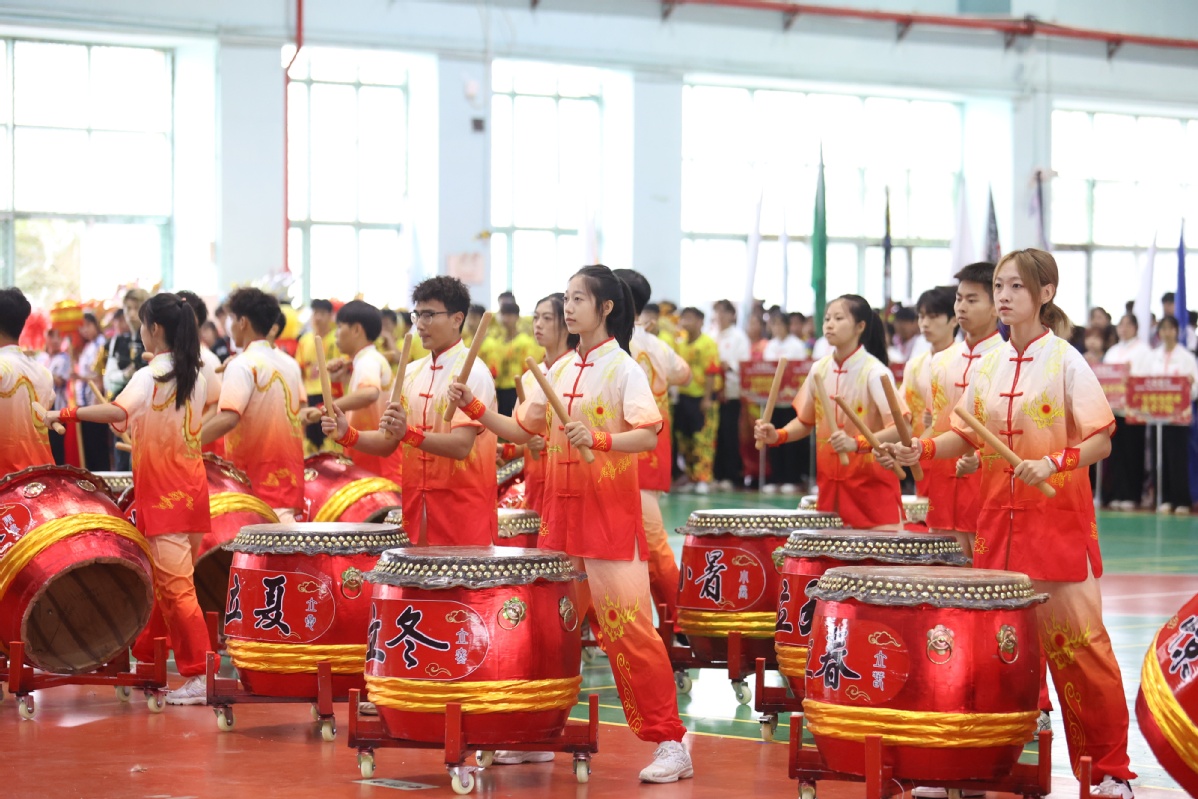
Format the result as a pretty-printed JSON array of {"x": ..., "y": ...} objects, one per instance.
[
  {"x": 168, "y": 468},
  {"x": 24, "y": 441},
  {"x": 593, "y": 510},
  {"x": 371, "y": 370},
  {"x": 534, "y": 468},
  {"x": 663, "y": 367}
]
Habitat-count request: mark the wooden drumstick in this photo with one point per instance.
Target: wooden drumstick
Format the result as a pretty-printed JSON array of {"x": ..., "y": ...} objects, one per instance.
[
  {"x": 400, "y": 372},
  {"x": 859, "y": 423},
  {"x": 123, "y": 447},
  {"x": 477, "y": 344},
  {"x": 558, "y": 407},
  {"x": 522, "y": 398},
  {"x": 1002, "y": 449},
  {"x": 326, "y": 387},
  {"x": 900, "y": 422},
  {"x": 821, "y": 394},
  {"x": 40, "y": 412},
  {"x": 775, "y": 387},
  {"x": 97, "y": 389}
]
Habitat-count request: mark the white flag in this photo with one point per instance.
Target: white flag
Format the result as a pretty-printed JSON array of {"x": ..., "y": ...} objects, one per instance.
[
  {"x": 746, "y": 302},
  {"x": 1143, "y": 305},
  {"x": 963, "y": 251}
]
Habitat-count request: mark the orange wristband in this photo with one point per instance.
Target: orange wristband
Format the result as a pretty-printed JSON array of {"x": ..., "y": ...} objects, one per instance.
[
  {"x": 863, "y": 444},
  {"x": 413, "y": 438},
  {"x": 475, "y": 409},
  {"x": 351, "y": 438},
  {"x": 783, "y": 437},
  {"x": 509, "y": 451},
  {"x": 600, "y": 441},
  {"x": 68, "y": 414},
  {"x": 927, "y": 450},
  {"x": 1066, "y": 460}
]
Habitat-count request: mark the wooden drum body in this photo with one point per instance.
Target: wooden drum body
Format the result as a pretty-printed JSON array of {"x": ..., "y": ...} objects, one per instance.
[
  {"x": 1167, "y": 705},
  {"x": 810, "y": 553},
  {"x": 495, "y": 629},
  {"x": 942, "y": 663},
  {"x": 337, "y": 490},
  {"x": 75, "y": 577},
  {"x": 519, "y": 528},
  {"x": 295, "y": 598},
  {"x": 728, "y": 580}
]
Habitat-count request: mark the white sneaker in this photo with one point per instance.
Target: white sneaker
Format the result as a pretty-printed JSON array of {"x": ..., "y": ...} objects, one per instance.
[
  {"x": 671, "y": 762},
  {"x": 1164, "y": 508},
  {"x": 702, "y": 488},
  {"x": 1112, "y": 787},
  {"x": 723, "y": 485},
  {"x": 192, "y": 692},
  {"x": 789, "y": 488},
  {"x": 507, "y": 757},
  {"x": 1181, "y": 510},
  {"x": 1044, "y": 723},
  {"x": 769, "y": 488}
]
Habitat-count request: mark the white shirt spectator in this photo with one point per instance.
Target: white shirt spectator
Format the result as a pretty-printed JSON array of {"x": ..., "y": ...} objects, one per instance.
[
  {"x": 734, "y": 348},
  {"x": 1136, "y": 353},
  {"x": 791, "y": 348},
  {"x": 1179, "y": 362}
]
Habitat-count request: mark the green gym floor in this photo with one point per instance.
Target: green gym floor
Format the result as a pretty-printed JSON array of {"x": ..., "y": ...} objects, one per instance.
[{"x": 84, "y": 743}]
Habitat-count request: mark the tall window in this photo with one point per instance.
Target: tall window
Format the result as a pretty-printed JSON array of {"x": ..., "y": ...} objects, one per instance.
[
  {"x": 347, "y": 191},
  {"x": 1121, "y": 179},
  {"x": 739, "y": 145},
  {"x": 546, "y": 174},
  {"x": 85, "y": 168}
]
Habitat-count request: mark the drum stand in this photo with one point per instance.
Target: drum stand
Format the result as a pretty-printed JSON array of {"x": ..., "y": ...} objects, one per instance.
[
  {"x": 367, "y": 733},
  {"x": 149, "y": 677},
  {"x": 771, "y": 702},
  {"x": 224, "y": 693},
  {"x": 807, "y": 766},
  {"x": 736, "y": 662}
]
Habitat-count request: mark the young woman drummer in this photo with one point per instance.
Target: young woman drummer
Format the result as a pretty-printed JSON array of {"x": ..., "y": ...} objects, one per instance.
[
  {"x": 862, "y": 493},
  {"x": 592, "y": 510},
  {"x": 162, "y": 410},
  {"x": 1038, "y": 395}
]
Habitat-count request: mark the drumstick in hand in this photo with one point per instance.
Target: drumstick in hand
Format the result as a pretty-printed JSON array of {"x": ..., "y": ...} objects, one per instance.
[
  {"x": 821, "y": 395},
  {"x": 40, "y": 413},
  {"x": 97, "y": 389},
  {"x": 900, "y": 422},
  {"x": 400, "y": 372},
  {"x": 520, "y": 398},
  {"x": 326, "y": 387},
  {"x": 999, "y": 447},
  {"x": 123, "y": 447},
  {"x": 558, "y": 407},
  {"x": 479, "y": 336},
  {"x": 775, "y": 387},
  {"x": 865, "y": 431}
]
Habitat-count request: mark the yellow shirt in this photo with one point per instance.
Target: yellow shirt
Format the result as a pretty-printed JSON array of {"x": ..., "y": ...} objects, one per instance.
[
  {"x": 703, "y": 356},
  {"x": 305, "y": 356},
  {"x": 506, "y": 358},
  {"x": 418, "y": 350}
]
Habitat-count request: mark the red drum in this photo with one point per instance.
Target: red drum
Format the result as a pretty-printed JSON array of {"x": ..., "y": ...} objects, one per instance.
[
  {"x": 295, "y": 598},
  {"x": 117, "y": 482},
  {"x": 509, "y": 475},
  {"x": 728, "y": 580},
  {"x": 519, "y": 528},
  {"x": 942, "y": 663},
  {"x": 810, "y": 553},
  {"x": 493, "y": 628},
  {"x": 1167, "y": 705},
  {"x": 75, "y": 577},
  {"x": 336, "y": 490},
  {"x": 915, "y": 509},
  {"x": 514, "y": 497}
]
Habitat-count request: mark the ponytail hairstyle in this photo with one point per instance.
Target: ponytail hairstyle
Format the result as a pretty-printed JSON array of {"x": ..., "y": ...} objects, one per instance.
[
  {"x": 873, "y": 338},
  {"x": 557, "y": 301},
  {"x": 605, "y": 286},
  {"x": 178, "y": 323},
  {"x": 1038, "y": 269}
]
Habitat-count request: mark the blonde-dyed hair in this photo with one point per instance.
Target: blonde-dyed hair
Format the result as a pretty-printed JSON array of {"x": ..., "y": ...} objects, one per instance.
[{"x": 1038, "y": 269}]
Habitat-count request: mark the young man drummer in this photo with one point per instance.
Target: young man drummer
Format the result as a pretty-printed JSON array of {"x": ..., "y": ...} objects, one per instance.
[
  {"x": 449, "y": 488},
  {"x": 25, "y": 441}
]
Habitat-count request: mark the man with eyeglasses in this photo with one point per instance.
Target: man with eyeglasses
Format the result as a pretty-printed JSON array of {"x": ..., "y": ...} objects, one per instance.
[{"x": 449, "y": 489}]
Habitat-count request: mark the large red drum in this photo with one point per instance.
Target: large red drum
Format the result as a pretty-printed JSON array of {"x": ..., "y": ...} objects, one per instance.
[
  {"x": 296, "y": 598},
  {"x": 493, "y": 628},
  {"x": 1167, "y": 705},
  {"x": 728, "y": 581},
  {"x": 943, "y": 663},
  {"x": 75, "y": 577},
  {"x": 810, "y": 553},
  {"x": 519, "y": 528},
  {"x": 337, "y": 490}
]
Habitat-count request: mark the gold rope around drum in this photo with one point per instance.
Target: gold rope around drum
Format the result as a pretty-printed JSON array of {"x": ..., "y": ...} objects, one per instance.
[
  {"x": 792, "y": 660},
  {"x": 350, "y": 493},
  {"x": 1177, "y": 727},
  {"x": 920, "y": 728},
  {"x": 232, "y": 502},
  {"x": 493, "y": 696},
  {"x": 296, "y": 658},
  {"x": 44, "y": 535},
  {"x": 717, "y": 625}
]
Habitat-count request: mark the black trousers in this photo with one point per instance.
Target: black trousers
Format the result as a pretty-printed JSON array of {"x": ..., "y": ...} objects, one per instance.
[
  {"x": 789, "y": 463},
  {"x": 506, "y": 399},
  {"x": 97, "y": 446},
  {"x": 1126, "y": 463},
  {"x": 58, "y": 448},
  {"x": 314, "y": 432},
  {"x": 1175, "y": 466},
  {"x": 728, "y": 465}
]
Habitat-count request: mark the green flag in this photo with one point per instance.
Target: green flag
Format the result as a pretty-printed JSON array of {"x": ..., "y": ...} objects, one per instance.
[{"x": 819, "y": 248}]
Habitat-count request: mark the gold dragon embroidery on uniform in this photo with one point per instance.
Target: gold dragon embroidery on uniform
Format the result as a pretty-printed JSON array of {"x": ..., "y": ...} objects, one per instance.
[
  {"x": 1062, "y": 642},
  {"x": 167, "y": 501},
  {"x": 1042, "y": 410},
  {"x": 613, "y": 617}
]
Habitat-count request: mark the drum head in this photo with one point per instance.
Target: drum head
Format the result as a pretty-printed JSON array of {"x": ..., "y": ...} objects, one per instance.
[
  {"x": 883, "y": 546},
  {"x": 470, "y": 567},
  {"x": 939, "y": 586},
  {"x": 518, "y": 521},
  {"x": 757, "y": 523},
  {"x": 323, "y": 538}
]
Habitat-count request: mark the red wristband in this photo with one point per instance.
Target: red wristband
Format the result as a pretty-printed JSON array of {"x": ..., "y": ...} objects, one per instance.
[
  {"x": 1067, "y": 459},
  {"x": 475, "y": 409},
  {"x": 863, "y": 444},
  {"x": 413, "y": 438},
  {"x": 927, "y": 450},
  {"x": 783, "y": 437},
  {"x": 68, "y": 414},
  {"x": 350, "y": 439},
  {"x": 509, "y": 451},
  {"x": 600, "y": 441}
]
